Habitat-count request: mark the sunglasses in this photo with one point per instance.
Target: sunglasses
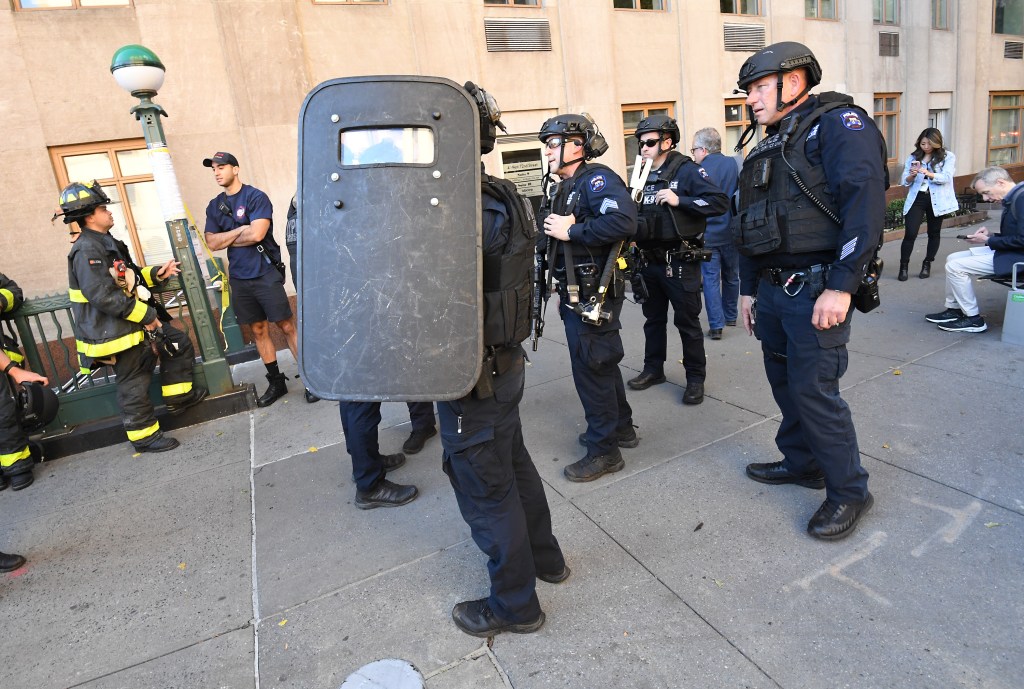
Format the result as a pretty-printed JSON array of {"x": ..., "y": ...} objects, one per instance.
[
  {"x": 649, "y": 142},
  {"x": 555, "y": 142}
]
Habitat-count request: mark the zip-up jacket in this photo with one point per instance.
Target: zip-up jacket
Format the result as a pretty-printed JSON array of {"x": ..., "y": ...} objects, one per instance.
[{"x": 107, "y": 320}]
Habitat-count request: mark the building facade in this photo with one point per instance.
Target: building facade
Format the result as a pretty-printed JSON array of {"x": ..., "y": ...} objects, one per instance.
[{"x": 238, "y": 70}]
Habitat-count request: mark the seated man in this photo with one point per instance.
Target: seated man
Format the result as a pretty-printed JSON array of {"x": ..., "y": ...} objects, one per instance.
[{"x": 991, "y": 255}]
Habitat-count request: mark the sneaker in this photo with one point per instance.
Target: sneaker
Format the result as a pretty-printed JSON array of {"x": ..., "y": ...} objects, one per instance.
[
  {"x": 385, "y": 494},
  {"x": 731, "y": 324},
  {"x": 591, "y": 468},
  {"x": 417, "y": 439},
  {"x": 715, "y": 333},
  {"x": 476, "y": 618},
  {"x": 392, "y": 462},
  {"x": 966, "y": 324},
  {"x": 947, "y": 316}
]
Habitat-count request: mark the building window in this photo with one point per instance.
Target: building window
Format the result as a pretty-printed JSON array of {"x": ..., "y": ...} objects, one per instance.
[
  {"x": 631, "y": 116},
  {"x": 122, "y": 169},
  {"x": 639, "y": 4},
  {"x": 939, "y": 119},
  {"x": 940, "y": 14},
  {"x": 736, "y": 121},
  {"x": 1005, "y": 113},
  {"x": 741, "y": 6},
  {"x": 887, "y": 116},
  {"x": 68, "y": 4},
  {"x": 532, "y": 3},
  {"x": 1009, "y": 17},
  {"x": 887, "y": 12},
  {"x": 820, "y": 9}
]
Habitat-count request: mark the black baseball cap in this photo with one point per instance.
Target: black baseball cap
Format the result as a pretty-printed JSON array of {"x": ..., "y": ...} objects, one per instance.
[{"x": 221, "y": 158}]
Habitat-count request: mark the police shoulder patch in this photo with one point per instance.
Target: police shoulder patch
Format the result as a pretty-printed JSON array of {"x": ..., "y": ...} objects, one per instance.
[
  {"x": 851, "y": 120},
  {"x": 597, "y": 183}
]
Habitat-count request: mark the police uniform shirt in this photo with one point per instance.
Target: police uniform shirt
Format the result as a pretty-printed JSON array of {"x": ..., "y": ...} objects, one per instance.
[
  {"x": 851, "y": 150},
  {"x": 249, "y": 204},
  {"x": 698, "y": 196},
  {"x": 605, "y": 212}
]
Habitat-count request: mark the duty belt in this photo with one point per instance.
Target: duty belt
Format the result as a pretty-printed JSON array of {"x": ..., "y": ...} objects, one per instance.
[{"x": 792, "y": 280}]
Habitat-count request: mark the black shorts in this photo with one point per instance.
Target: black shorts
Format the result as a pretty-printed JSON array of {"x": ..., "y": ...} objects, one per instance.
[{"x": 260, "y": 299}]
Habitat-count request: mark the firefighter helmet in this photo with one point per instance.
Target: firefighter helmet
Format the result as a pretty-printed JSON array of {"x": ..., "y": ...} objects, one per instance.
[{"x": 78, "y": 200}]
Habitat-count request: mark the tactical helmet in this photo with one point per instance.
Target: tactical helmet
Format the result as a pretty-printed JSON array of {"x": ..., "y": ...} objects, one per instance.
[
  {"x": 78, "y": 200},
  {"x": 490, "y": 116},
  {"x": 663, "y": 124},
  {"x": 778, "y": 58},
  {"x": 583, "y": 125},
  {"x": 37, "y": 406}
]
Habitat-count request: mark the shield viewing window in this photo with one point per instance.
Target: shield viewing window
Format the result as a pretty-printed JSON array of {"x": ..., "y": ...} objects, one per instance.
[{"x": 395, "y": 145}]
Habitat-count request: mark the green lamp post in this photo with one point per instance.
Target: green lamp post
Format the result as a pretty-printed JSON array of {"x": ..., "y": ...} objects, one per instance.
[{"x": 139, "y": 71}]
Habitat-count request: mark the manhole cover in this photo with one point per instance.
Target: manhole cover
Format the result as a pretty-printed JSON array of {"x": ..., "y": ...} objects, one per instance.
[{"x": 390, "y": 673}]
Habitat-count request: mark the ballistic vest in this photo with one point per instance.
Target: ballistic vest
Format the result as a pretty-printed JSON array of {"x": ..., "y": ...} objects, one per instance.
[
  {"x": 661, "y": 222},
  {"x": 776, "y": 212},
  {"x": 508, "y": 274},
  {"x": 566, "y": 202}
]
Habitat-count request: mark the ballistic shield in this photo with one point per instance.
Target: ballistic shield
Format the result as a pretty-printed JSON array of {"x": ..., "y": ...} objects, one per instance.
[{"x": 390, "y": 268}]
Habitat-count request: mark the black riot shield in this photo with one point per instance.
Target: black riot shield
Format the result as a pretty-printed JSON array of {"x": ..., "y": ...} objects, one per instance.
[{"x": 390, "y": 269}]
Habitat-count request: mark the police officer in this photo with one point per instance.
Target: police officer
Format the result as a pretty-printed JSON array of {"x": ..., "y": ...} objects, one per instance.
[
  {"x": 117, "y": 320},
  {"x": 291, "y": 240},
  {"x": 677, "y": 199},
  {"x": 585, "y": 223},
  {"x": 500, "y": 494},
  {"x": 805, "y": 246}
]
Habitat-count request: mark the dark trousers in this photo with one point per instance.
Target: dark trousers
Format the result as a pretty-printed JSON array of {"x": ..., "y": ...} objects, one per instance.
[
  {"x": 15, "y": 456},
  {"x": 921, "y": 209},
  {"x": 595, "y": 352},
  {"x": 804, "y": 366},
  {"x": 360, "y": 420},
  {"x": 682, "y": 290},
  {"x": 499, "y": 492},
  {"x": 134, "y": 369},
  {"x": 421, "y": 414}
]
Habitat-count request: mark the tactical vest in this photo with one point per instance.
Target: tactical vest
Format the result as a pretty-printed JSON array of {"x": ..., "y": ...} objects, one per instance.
[
  {"x": 777, "y": 213},
  {"x": 566, "y": 202},
  {"x": 508, "y": 275},
  {"x": 662, "y": 222}
]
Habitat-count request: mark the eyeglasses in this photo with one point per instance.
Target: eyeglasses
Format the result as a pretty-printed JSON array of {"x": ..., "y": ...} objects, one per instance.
[
  {"x": 649, "y": 142},
  {"x": 553, "y": 143},
  {"x": 697, "y": 148}
]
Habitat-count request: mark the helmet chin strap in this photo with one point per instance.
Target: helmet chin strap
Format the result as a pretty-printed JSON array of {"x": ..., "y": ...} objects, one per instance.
[
  {"x": 780, "y": 105},
  {"x": 562, "y": 162}
]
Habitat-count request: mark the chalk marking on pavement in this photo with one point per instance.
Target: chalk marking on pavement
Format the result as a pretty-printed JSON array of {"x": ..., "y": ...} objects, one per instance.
[
  {"x": 835, "y": 570},
  {"x": 252, "y": 524},
  {"x": 949, "y": 533}
]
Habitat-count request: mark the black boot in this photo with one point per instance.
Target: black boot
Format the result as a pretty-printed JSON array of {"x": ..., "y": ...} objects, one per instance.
[
  {"x": 926, "y": 270},
  {"x": 904, "y": 273},
  {"x": 10, "y": 562},
  {"x": 276, "y": 391}
]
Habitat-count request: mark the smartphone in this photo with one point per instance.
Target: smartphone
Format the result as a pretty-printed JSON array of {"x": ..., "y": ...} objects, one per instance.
[
  {"x": 961, "y": 236},
  {"x": 916, "y": 164}
]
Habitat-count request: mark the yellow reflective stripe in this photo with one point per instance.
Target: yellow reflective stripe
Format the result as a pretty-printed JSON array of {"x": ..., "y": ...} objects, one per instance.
[
  {"x": 143, "y": 433},
  {"x": 84, "y": 371},
  {"x": 102, "y": 349},
  {"x": 176, "y": 389},
  {"x": 139, "y": 312},
  {"x": 9, "y": 296},
  {"x": 9, "y": 459},
  {"x": 149, "y": 275},
  {"x": 16, "y": 357},
  {"x": 76, "y": 296}
]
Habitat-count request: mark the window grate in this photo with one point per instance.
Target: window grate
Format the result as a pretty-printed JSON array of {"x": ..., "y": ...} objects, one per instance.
[
  {"x": 516, "y": 35},
  {"x": 1013, "y": 50},
  {"x": 888, "y": 44},
  {"x": 744, "y": 37}
]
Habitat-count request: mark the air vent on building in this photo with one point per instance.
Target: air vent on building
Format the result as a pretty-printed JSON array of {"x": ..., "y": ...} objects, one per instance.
[
  {"x": 516, "y": 35},
  {"x": 1013, "y": 50},
  {"x": 888, "y": 44},
  {"x": 744, "y": 37}
]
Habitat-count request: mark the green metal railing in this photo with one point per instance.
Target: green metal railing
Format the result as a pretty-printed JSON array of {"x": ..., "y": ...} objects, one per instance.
[{"x": 45, "y": 331}]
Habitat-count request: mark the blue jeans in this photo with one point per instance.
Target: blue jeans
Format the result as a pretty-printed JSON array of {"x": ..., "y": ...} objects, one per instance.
[{"x": 721, "y": 285}]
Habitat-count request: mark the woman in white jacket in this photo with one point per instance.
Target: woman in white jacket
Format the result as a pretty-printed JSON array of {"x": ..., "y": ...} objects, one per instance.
[{"x": 929, "y": 173}]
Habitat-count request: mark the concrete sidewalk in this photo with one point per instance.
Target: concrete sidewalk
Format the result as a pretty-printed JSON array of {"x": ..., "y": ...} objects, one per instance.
[{"x": 240, "y": 561}]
